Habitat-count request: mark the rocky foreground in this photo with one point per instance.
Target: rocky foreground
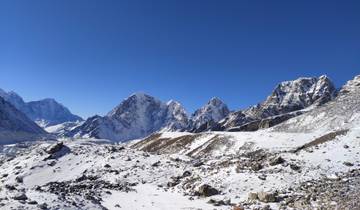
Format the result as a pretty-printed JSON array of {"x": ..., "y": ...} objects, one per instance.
[{"x": 312, "y": 173}]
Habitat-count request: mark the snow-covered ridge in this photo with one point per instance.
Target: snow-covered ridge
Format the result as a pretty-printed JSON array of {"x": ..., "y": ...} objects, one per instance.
[{"x": 288, "y": 96}]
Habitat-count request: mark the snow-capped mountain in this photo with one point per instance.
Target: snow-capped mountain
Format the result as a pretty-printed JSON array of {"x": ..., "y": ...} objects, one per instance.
[
  {"x": 46, "y": 112},
  {"x": 137, "y": 116},
  {"x": 287, "y": 97},
  {"x": 16, "y": 126},
  {"x": 210, "y": 113}
]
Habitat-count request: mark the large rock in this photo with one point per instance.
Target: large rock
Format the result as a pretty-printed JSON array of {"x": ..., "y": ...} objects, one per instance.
[
  {"x": 55, "y": 148},
  {"x": 267, "y": 197},
  {"x": 207, "y": 190}
]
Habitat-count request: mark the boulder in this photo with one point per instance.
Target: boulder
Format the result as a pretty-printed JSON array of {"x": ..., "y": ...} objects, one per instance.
[
  {"x": 253, "y": 196},
  {"x": 276, "y": 161},
  {"x": 256, "y": 166},
  {"x": 207, "y": 190},
  {"x": 55, "y": 148},
  {"x": 20, "y": 197},
  {"x": 267, "y": 197}
]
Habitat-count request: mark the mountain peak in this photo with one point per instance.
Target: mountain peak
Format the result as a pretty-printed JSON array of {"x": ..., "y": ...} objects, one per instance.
[
  {"x": 214, "y": 111},
  {"x": 135, "y": 117},
  {"x": 215, "y": 101},
  {"x": 139, "y": 95}
]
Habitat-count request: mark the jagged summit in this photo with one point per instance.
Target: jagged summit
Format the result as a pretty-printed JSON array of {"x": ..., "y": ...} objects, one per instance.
[{"x": 213, "y": 111}]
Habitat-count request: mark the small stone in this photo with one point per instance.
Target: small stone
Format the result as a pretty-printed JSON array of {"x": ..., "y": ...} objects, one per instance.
[
  {"x": 156, "y": 164},
  {"x": 20, "y": 197},
  {"x": 262, "y": 177},
  {"x": 295, "y": 167},
  {"x": 51, "y": 163},
  {"x": 256, "y": 166},
  {"x": 346, "y": 146},
  {"x": 348, "y": 164},
  {"x": 32, "y": 202},
  {"x": 43, "y": 206},
  {"x": 186, "y": 174},
  {"x": 277, "y": 160},
  {"x": 19, "y": 179},
  {"x": 197, "y": 163}
]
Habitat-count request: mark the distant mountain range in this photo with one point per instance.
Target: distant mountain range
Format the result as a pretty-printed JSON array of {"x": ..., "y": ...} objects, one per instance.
[
  {"x": 46, "y": 112},
  {"x": 140, "y": 114}
]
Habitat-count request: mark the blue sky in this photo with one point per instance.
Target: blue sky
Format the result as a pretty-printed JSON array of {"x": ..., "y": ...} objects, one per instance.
[{"x": 89, "y": 54}]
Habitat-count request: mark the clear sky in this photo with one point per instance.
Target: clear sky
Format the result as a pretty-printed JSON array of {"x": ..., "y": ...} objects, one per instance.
[{"x": 89, "y": 55}]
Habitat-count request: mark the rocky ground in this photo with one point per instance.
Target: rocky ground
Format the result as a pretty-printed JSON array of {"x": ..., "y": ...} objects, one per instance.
[{"x": 95, "y": 174}]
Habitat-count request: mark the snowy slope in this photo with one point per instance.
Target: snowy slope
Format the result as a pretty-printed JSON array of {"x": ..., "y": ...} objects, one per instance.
[{"x": 60, "y": 130}]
